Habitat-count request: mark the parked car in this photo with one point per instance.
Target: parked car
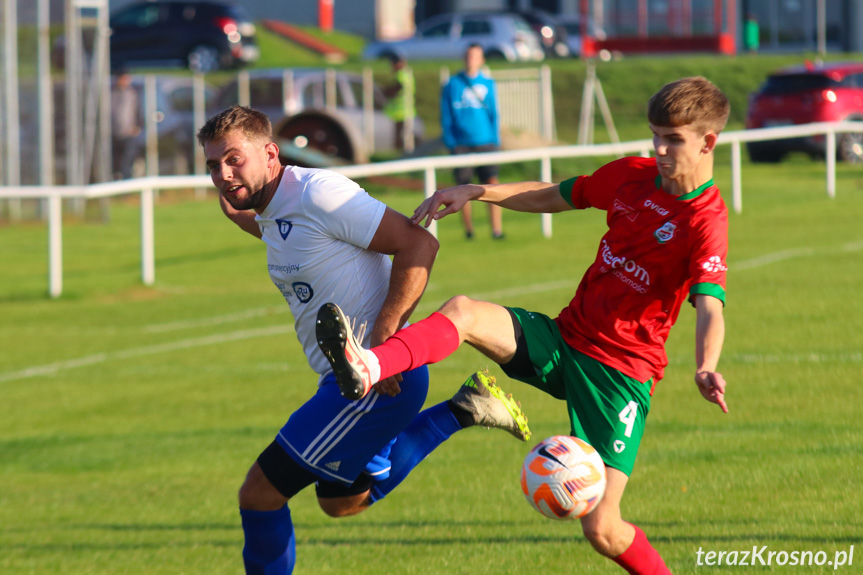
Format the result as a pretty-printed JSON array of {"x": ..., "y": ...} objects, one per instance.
[
  {"x": 831, "y": 92},
  {"x": 447, "y": 36},
  {"x": 301, "y": 116},
  {"x": 203, "y": 36},
  {"x": 550, "y": 31}
]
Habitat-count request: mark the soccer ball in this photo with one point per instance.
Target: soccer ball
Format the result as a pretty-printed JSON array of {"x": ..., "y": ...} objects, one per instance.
[{"x": 563, "y": 477}]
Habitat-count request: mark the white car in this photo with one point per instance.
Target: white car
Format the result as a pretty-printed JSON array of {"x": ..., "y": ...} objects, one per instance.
[
  {"x": 302, "y": 118},
  {"x": 502, "y": 37}
]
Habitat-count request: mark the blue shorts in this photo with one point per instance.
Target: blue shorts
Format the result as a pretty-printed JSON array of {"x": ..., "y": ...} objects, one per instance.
[{"x": 337, "y": 439}]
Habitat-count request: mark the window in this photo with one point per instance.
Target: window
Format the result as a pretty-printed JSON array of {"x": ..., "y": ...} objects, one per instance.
[
  {"x": 313, "y": 94},
  {"x": 791, "y": 83},
  {"x": 437, "y": 31},
  {"x": 139, "y": 17},
  {"x": 475, "y": 28}
]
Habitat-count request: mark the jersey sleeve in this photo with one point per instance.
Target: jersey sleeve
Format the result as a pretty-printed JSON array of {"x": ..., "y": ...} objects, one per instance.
[
  {"x": 596, "y": 190},
  {"x": 342, "y": 209},
  {"x": 708, "y": 263}
]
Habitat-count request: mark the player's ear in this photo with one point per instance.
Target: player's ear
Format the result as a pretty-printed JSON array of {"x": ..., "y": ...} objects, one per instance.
[
  {"x": 710, "y": 139},
  {"x": 272, "y": 152}
]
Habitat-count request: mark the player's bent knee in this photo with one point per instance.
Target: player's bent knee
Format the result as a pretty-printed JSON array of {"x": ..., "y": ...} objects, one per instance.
[
  {"x": 344, "y": 506},
  {"x": 459, "y": 310},
  {"x": 273, "y": 479},
  {"x": 258, "y": 494},
  {"x": 599, "y": 538},
  {"x": 609, "y": 538},
  {"x": 339, "y": 500}
]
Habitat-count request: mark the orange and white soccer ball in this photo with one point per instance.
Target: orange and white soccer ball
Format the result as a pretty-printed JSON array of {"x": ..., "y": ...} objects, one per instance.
[{"x": 563, "y": 477}]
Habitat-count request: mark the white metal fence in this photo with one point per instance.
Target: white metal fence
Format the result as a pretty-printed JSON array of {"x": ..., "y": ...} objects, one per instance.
[{"x": 147, "y": 187}]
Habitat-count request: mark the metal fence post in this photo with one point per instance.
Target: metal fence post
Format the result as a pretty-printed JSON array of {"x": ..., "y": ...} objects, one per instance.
[
  {"x": 244, "y": 90},
  {"x": 545, "y": 176},
  {"x": 148, "y": 250},
  {"x": 55, "y": 246},
  {"x": 330, "y": 89},
  {"x": 831, "y": 164},
  {"x": 369, "y": 109},
  {"x": 547, "y": 104},
  {"x": 199, "y": 112},
  {"x": 430, "y": 189},
  {"x": 736, "y": 178},
  {"x": 287, "y": 90},
  {"x": 46, "y": 106},
  {"x": 150, "y": 128},
  {"x": 12, "y": 125},
  {"x": 410, "y": 112}
]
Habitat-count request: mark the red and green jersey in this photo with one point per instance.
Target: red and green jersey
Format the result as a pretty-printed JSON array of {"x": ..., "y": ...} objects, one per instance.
[{"x": 659, "y": 250}]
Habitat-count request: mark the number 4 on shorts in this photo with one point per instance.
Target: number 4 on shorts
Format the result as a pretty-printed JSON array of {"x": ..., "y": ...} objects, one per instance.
[{"x": 627, "y": 417}]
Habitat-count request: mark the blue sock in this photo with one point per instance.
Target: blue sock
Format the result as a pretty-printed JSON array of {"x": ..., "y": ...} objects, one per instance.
[
  {"x": 426, "y": 432},
  {"x": 270, "y": 545}
]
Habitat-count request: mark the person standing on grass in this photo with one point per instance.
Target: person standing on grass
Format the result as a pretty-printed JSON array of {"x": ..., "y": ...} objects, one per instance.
[
  {"x": 125, "y": 123},
  {"x": 329, "y": 240},
  {"x": 666, "y": 243},
  {"x": 400, "y": 106},
  {"x": 470, "y": 123}
]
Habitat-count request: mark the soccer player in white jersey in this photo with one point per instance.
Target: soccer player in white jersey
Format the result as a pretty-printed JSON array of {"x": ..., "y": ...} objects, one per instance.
[{"x": 328, "y": 240}]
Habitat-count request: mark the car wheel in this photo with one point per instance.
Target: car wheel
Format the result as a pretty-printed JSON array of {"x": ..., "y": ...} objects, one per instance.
[
  {"x": 203, "y": 58},
  {"x": 849, "y": 147},
  {"x": 319, "y": 133}
]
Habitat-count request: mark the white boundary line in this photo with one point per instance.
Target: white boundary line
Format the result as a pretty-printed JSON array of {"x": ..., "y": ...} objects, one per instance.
[
  {"x": 53, "y": 368},
  {"x": 768, "y": 259},
  {"x": 215, "y": 320}
]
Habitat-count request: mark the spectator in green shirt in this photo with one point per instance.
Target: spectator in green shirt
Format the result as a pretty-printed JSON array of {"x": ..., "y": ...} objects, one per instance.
[{"x": 400, "y": 98}]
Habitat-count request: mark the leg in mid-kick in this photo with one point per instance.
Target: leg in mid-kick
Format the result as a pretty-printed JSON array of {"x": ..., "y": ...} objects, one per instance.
[{"x": 483, "y": 325}]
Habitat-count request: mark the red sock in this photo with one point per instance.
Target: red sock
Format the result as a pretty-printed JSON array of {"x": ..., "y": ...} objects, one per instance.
[
  {"x": 427, "y": 341},
  {"x": 640, "y": 558}
]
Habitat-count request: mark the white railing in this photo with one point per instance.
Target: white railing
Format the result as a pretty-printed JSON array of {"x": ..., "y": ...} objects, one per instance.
[{"x": 147, "y": 187}]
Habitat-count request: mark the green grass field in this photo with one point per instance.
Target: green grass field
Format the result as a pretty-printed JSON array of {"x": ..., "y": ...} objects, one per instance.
[{"x": 130, "y": 415}]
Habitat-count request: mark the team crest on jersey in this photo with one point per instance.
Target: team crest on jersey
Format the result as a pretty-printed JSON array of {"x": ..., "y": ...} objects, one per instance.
[
  {"x": 285, "y": 228},
  {"x": 666, "y": 233},
  {"x": 303, "y": 291}
]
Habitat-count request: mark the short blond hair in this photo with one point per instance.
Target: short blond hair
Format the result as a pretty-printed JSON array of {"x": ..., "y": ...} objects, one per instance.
[
  {"x": 253, "y": 124},
  {"x": 693, "y": 101}
]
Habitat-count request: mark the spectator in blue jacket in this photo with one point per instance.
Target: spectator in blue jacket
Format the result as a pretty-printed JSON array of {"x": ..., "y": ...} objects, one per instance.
[{"x": 470, "y": 123}]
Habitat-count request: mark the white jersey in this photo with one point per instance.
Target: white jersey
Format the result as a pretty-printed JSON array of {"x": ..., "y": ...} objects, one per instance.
[{"x": 317, "y": 228}]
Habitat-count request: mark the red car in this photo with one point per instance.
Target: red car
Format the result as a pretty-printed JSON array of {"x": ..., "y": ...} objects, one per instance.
[{"x": 831, "y": 92}]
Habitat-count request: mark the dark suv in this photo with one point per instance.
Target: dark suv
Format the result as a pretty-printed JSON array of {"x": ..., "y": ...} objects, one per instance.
[
  {"x": 204, "y": 36},
  {"x": 832, "y": 92}
]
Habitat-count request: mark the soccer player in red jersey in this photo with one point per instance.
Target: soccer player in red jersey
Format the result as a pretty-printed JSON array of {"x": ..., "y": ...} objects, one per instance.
[{"x": 666, "y": 242}]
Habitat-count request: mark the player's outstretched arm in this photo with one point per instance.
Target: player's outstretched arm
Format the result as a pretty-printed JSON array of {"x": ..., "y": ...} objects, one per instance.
[
  {"x": 243, "y": 218},
  {"x": 532, "y": 197},
  {"x": 709, "y": 336},
  {"x": 414, "y": 251}
]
